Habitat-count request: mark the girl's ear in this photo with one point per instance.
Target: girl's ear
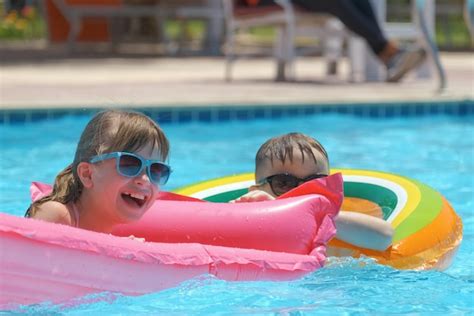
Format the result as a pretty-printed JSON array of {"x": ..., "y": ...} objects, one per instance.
[{"x": 84, "y": 172}]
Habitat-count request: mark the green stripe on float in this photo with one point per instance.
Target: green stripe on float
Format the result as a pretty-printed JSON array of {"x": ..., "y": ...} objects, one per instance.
[
  {"x": 385, "y": 198},
  {"x": 226, "y": 196},
  {"x": 427, "y": 210}
]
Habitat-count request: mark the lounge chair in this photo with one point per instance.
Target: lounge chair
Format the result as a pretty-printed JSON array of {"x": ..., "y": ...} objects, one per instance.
[
  {"x": 364, "y": 66},
  {"x": 283, "y": 16}
]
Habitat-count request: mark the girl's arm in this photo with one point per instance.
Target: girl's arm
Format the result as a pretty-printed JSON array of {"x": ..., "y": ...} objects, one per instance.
[{"x": 363, "y": 230}]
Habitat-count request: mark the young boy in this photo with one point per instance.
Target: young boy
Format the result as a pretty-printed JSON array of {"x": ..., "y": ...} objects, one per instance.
[{"x": 284, "y": 162}]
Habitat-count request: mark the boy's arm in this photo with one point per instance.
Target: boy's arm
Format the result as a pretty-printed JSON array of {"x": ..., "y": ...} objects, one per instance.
[
  {"x": 254, "y": 196},
  {"x": 363, "y": 230}
]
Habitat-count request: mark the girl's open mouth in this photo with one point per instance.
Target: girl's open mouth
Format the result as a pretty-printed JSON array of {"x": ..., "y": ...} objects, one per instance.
[{"x": 135, "y": 198}]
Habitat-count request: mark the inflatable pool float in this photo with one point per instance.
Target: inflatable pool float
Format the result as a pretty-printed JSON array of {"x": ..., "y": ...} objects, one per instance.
[
  {"x": 427, "y": 230},
  {"x": 185, "y": 238}
]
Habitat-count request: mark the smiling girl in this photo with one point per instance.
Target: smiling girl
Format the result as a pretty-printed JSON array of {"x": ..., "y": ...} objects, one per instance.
[{"x": 115, "y": 176}]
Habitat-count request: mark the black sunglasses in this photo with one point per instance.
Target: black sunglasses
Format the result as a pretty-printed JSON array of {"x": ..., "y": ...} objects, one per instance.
[{"x": 284, "y": 182}]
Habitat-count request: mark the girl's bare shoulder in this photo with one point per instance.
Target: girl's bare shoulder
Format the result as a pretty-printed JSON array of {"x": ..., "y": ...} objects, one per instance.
[{"x": 55, "y": 212}]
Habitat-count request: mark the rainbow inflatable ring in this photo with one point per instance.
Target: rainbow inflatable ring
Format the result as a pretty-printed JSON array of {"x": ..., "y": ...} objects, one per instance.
[{"x": 428, "y": 232}]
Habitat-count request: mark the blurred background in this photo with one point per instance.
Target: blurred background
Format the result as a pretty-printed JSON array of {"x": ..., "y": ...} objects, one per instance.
[
  {"x": 96, "y": 53},
  {"x": 38, "y": 24}
]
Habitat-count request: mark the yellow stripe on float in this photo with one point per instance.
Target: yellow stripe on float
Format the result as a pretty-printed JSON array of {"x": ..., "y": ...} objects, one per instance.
[{"x": 201, "y": 186}]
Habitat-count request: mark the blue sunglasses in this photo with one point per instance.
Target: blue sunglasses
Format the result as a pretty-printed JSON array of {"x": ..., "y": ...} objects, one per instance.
[{"x": 131, "y": 165}]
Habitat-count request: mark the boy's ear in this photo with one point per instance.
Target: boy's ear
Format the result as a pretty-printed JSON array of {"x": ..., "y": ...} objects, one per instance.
[{"x": 84, "y": 172}]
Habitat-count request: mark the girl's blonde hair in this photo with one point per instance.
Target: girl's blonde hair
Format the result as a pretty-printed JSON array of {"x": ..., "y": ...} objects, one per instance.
[{"x": 107, "y": 131}]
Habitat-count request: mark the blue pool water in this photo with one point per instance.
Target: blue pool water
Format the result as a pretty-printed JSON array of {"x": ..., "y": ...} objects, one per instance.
[{"x": 437, "y": 150}]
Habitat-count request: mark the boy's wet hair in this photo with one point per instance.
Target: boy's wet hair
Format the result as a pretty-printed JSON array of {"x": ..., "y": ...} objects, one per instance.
[
  {"x": 108, "y": 131},
  {"x": 281, "y": 148}
]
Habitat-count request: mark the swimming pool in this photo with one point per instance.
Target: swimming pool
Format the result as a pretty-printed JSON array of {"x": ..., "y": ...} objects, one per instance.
[{"x": 435, "y": 148}]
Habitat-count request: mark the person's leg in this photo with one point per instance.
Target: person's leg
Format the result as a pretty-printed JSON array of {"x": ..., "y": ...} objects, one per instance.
[
  {"x": 247, "y": 3},
  {"x": 358, "y": 16}
]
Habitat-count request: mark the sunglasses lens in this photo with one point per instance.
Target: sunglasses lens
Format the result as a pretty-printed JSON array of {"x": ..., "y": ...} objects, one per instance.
[
  {"x": 159, "y": 173},
  {"x": 129, "y": 166},
  {"x": 283, "y": 183},
  {"x": 314, "y": 176}
]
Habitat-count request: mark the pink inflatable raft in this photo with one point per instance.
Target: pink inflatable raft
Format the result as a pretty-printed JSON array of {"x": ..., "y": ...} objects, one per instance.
[{"x": 277, "y": 240}]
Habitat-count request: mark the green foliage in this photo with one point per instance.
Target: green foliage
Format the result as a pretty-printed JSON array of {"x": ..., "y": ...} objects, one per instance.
[
  {"x": 27, "y": 24},
  {"x": 191, "y": 30},
  {"x": 452, "y": 32}
]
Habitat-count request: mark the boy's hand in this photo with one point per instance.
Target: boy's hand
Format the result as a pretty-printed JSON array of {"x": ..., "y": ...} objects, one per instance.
[{"x": 254, "y": 196}]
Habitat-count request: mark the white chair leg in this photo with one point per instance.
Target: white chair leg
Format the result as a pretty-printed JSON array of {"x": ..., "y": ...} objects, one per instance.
[
  {"x": 428, "y": 12},
  {"x": 214, "y": 27},
  {"x": 285, "y": 51},
  {"x": 357, "y": 50},
  {"x": 229, "y": 54},
  {"x": 332, "y": 45},
  {"x": 290, "y": 52},
  {"x": 432, "y": 48},
  {"x": 75, "y": 28},
  {"x": 114, "y": 26},
  {"x": 469, "y": 16},
  {"x": 280, "y": 51}
]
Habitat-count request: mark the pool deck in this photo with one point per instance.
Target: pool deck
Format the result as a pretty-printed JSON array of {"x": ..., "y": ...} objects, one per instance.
[{"x": 199, "y": 81}]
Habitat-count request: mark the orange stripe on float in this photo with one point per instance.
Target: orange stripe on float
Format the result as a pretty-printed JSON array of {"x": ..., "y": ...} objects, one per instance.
[
  {"x": 440, "y": 230},
  {"x": 425, "y": 249}
]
